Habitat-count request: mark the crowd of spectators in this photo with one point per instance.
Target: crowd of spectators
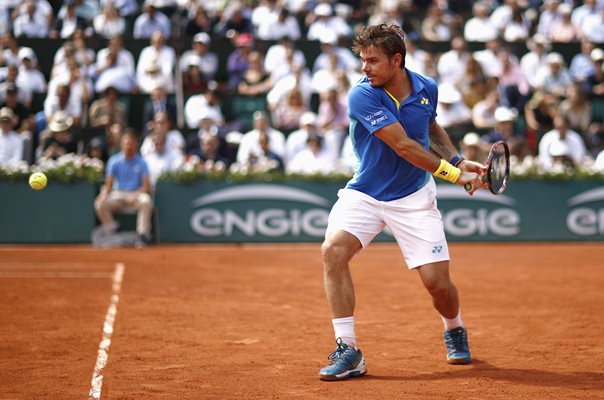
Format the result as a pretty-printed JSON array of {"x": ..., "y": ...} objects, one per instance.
[{"x": 538, "y": 100}]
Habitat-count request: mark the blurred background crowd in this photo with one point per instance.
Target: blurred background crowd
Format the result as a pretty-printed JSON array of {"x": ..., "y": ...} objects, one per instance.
[{"x": 261, "y": 85}]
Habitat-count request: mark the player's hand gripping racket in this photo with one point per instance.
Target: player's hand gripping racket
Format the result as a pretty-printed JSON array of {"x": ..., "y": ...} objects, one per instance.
[{"x": 498, "y": 169}]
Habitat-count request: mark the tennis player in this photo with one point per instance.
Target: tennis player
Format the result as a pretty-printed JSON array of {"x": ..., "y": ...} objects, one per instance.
[{"x": 392, "y": 123}]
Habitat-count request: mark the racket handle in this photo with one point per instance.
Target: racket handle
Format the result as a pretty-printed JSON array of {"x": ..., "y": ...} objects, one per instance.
[{"x": 468, "y": 187}]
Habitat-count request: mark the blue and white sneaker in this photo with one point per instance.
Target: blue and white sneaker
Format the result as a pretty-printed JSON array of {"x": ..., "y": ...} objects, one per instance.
[
  {"x": 345, "y": 362},
  {"x": 458, "y": 351}
]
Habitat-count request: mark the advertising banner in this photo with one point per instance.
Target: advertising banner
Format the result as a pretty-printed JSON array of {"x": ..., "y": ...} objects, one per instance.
[
  {"x": 298, "y": 211},
  {"x": 57, "y": 214}
]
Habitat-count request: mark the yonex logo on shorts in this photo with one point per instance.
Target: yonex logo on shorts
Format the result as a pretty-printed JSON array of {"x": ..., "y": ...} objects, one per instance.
[{"x": 436, "y": 249}]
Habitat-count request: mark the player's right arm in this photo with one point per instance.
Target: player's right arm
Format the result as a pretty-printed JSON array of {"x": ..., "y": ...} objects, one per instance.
[
  {"x": 395, "y": 136},
  {"x": 367, "y": 109}
]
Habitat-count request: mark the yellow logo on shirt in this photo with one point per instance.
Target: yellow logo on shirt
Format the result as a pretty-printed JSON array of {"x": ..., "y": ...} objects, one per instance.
[{"x": 424, "y": 100}]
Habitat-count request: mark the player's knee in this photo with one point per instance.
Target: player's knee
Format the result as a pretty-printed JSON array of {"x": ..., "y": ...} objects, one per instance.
[
  {"x": 334, "y": 252},
  {"x": 438, "y": 289}
]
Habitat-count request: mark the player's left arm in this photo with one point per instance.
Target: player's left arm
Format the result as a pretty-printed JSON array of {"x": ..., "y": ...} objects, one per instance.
[{"x": 440, "y": 143}]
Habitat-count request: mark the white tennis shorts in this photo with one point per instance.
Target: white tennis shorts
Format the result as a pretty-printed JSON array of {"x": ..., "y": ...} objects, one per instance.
[{"x": 414, "y": 221}]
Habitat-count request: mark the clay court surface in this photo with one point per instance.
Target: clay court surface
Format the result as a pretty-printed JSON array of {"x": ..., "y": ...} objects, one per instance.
[{"x": 251, "y": 322}]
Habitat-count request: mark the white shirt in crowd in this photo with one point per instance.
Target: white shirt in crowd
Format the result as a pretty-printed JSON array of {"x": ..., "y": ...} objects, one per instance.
[
  {"x": 158, "y": 163},
  {"x": 11, "y": 148},
  {"x": 174, "y": 142},
  {"x": 250, "y": 145},
  {"x": 573, "y": 142},
  {"x": 271, "y": 28},
  {"x": 308, "y": 163}
]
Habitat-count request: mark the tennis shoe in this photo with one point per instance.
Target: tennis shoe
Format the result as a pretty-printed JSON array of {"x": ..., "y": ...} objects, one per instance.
[
  {"x": 458, "y": 350},
  {"x": 345, "y": 362}
]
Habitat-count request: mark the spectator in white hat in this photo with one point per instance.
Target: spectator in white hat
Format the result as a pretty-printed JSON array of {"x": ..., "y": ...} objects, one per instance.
[
  {"x": 561, "y": 138},
  {"x": 59, "y": 140},
  {"x": 30, "y": 78},
  {"x": 594, "y": 83},
  {"x": 473, "y": 148},
  {"x": 505, "y": 120},
  {"x": 326, "y": 22},
  {"x": 201, "y": 54},
  {"x": 554, "y": 79}
]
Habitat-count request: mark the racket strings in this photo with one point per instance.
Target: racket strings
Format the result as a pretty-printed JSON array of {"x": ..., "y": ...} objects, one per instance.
[{"x": 498, "y": 170}]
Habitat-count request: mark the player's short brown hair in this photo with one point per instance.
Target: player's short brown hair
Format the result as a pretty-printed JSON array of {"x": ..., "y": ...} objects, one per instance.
[{"x": 390, "y": 39}]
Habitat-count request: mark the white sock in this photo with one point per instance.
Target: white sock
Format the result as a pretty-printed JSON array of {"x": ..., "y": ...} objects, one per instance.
[
  {"x": 452, "y": 323},
  {"x": 344, "y": 329}
]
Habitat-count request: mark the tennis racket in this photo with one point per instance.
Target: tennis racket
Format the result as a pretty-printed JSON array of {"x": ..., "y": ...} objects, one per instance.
[{"x": 498, "y": 169}]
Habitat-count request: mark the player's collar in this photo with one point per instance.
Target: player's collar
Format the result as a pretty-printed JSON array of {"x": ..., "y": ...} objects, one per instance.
[{"x": 416, "y": 83}]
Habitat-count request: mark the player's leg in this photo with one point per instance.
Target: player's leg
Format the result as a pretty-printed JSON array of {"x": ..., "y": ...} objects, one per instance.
[
  {"x": 417, "y": 226},
  {"x": 337, "y": 250},
  {"x": 437, "y": 281},
  {"x": 353, "y": 223},
  {"x": 346, "y": 361}
]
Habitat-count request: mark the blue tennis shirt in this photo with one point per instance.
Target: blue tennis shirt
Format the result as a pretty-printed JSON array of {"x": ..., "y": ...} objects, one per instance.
[
  {"x": 127, "y": 174},
  {"x": 381, "y": 173}
]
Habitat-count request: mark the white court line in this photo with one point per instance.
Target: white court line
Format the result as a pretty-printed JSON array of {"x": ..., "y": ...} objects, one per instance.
[
  {"x": 60, "y": 275},
  {"x": 45, "y": 265},
  {"x": 103, "y": 354}
]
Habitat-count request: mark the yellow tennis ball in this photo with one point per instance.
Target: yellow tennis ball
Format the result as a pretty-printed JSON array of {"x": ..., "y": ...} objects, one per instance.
[{"x": 37, "y": 181}]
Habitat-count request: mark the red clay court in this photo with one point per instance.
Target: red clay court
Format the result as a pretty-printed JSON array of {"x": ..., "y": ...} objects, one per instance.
[{"x": 251, "y": 322}]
